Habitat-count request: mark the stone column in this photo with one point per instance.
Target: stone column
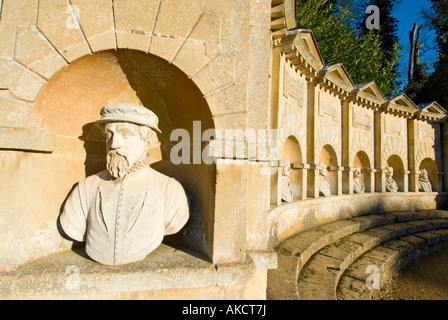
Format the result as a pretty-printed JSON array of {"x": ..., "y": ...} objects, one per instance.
[
  {"x": 347, "y": 174},
  {"x": 380, "y": 176},
  {"x": 275, "y": 183},
  {"x": 445, "y": 155},
  {"x": 229, "y": 225},
  {"x": 338, "y": 170},
  {"x": 313, "y": 181},
  {"x": 258, "y": 202},
  {"x": 380, "y": 180},
  {"x": 370, "y": 187},
  {"x": 405, "y": 180},
  {"x": 302, "y": 169},
  {"x": 413, "y": 180},
  {"x": 311, "y": 134},
  {"x": 347, "y": 180},
  {"x": 440, "y": 182},
  {"x": 412, "y": 138}
]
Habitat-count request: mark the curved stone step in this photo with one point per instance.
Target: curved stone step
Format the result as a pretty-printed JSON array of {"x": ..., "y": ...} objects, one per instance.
[
  {"x": 318, "y": 279},
  {"x": 295, "y": 252},
  {"x": 388, "y": 259}
]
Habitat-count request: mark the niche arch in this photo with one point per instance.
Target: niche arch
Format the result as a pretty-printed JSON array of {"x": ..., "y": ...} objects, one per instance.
[
  {"x": 361, "y": 159},
  {"x": 68, "y": 105},
  {"x": 395, "y": 162},
  {"x": 329, "y": 157},
  {"x": 433, "y": 173},
  {"x": 292, "y": 152}
]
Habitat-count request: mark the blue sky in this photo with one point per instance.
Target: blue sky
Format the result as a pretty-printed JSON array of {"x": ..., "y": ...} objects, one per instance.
[{"x": 408, "y": 13}]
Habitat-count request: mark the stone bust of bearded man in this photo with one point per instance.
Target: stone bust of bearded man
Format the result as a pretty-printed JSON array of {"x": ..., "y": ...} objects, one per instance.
[{"x": 123, "y": 213}]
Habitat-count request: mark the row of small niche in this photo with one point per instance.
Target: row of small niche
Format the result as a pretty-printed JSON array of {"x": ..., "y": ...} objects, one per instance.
[{"x": 358, "y": 185}]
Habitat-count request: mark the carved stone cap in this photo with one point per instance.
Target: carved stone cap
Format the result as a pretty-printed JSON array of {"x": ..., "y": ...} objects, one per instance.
[{"x": 126, "y": 112}]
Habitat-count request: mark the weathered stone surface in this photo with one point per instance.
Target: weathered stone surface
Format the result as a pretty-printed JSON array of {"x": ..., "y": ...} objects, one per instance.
[
  {"x": 166, "y": 47},
  {"x": 25, "y": 139},
  {"x": 353, "y": 289},
  {"x": 42, "y": 57},
  {"x": 400, "y": 229},
  {"x": 13, "y": 112},
  {"x": 15, "y": 14},
  {"x": 344, "y": 265},
  {"x": 70, "y": 273},
  {"x": 404, "y": 247},
  {"x": 57, "y": 23},
  {"x": 22, "y": 82},
  {"x": 421, "y": 225},
  {"x": 134, "y": 23},
  {"x": 230, "y": 65},
  {"x": 99, "y": 29}
]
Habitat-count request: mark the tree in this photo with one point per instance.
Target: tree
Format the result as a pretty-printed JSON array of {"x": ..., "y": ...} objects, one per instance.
[
  {"x": 414, "y": 56},
  {"x": 435, "y": 86},
  {"x": 417, "y": 74},
  {"x": 334, "y": 25},
  {"x": 387, "y": 33}
]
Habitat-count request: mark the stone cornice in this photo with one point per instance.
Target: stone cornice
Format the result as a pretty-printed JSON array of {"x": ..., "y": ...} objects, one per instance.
[
  {"x": 299, "y": 48},
  {"x": 283, "y": 17}
]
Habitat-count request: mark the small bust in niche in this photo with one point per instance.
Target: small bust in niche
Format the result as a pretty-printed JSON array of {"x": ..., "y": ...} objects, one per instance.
[
  {"x": 324, "y": 186},
  {"x": 286, "y": 191},
  {"x": 358, "y": 185},
  {"x": 424, "y": 184},
  {"x": 123, "y": 213},
  {"x": 391, "y": 185}
]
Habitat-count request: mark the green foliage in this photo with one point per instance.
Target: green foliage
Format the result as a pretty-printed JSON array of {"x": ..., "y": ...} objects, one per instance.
[
  {"x": 334, "y": 26},
  {"x": 439, "y": 22}
]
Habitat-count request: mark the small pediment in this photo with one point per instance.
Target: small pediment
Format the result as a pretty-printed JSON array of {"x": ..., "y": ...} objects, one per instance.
[
  {"x": 431, "y": 111},
  {"x": 337, "y": 74},
  {"x": 306, "y": 45},
  {"x": 402, "y": 100},
  {"x": 432, "y": 107},
  {"x": 400, "y": 105},
  {"x": 371, "y": 89},
  {"x": 368, "y": 94}
]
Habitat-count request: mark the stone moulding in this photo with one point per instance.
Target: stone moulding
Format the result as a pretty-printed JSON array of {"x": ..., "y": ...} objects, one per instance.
[
  {"x": 26, "y": 140},
  {"x": 299, "y": 48},
  {"x": 69, "y": 273},
  {"x": 283, "y": 17},
  {"x": 431, "y": 112},
  {"x": 292, "y": 218}
]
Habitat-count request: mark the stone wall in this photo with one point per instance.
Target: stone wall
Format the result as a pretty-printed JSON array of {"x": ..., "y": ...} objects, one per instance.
[
  {"x": 346, "y": 125},
  {"x": 186, "y": 60},
  {"x": 224, "y": 65}
]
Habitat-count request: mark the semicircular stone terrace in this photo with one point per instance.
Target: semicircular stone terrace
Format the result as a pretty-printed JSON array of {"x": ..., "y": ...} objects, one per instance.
[{"x": 352, "y": 259}]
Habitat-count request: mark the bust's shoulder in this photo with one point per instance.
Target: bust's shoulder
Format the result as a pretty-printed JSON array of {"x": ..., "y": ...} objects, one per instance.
[{"x": 98, "y": 177}]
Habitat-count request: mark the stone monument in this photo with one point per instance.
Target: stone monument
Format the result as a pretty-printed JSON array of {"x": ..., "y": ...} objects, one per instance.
[
  {"x": 391, "y": 185},
  {"x": 358, "y": 185},
  {"x": 123, "y": 213},
  {"x": 285, "y": 184},
  {"x": 424, "y": 184},
  {"x": 324, "y": 186}
]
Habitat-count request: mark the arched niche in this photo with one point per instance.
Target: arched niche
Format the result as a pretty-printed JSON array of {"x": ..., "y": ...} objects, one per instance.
[
  {"x": 329, "y": 157},
  {"x": 293, "y": 154},
  {"x": 362, "y": 160},
  {"x": 69, "y": 104},
  {"x": 433, "y": 173},
  {"x": 395, "y": 162}
]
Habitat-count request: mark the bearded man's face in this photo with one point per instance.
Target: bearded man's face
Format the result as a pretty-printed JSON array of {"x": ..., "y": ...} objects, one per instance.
[{"x": 124, "y": 146}]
